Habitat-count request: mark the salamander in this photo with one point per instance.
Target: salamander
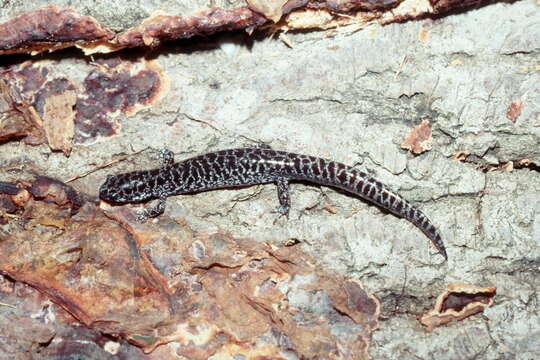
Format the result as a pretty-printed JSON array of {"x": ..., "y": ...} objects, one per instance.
[{"x": 251, "y": 166}]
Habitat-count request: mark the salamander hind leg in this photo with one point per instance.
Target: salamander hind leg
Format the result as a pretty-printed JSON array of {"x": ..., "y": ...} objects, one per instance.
[
  {"x": 157, "y": 210},
  {"x": 284, "y": 197}
]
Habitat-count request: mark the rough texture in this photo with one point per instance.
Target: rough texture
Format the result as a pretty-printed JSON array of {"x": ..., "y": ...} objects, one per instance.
[
  {"x": 34, "y": 327},
  {"x": 419, "y": 140},
  {"x": 83, "y": 109},
  {"x": 210, "y": 293},
  {"x": 352, "y": 96},
  {"x": 51, "y": 28},
  {"x": 459, "y": 301}
]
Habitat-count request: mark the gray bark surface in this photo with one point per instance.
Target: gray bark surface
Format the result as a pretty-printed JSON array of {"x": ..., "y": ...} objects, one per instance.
[{"x": 354, "y": 97}]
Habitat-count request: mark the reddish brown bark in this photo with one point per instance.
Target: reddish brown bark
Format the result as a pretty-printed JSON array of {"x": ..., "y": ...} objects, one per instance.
[{"x": 51, "y": 28}]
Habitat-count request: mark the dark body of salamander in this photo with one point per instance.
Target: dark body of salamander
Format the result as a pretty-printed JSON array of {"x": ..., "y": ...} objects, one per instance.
[{"x": 250, "y": 166}]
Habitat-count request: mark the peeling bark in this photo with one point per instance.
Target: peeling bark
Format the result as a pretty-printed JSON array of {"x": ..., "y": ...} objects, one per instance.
[{"x": 50, "y": 28}]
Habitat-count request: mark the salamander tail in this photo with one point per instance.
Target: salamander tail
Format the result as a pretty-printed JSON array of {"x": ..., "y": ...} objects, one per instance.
[{"x": 423, "y": 223}]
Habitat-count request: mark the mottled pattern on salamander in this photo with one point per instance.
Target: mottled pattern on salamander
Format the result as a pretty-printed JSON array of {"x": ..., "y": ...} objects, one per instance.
[{"x": 250, "y": 166}]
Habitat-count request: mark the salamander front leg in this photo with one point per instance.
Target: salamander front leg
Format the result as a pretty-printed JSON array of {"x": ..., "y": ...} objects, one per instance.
[
  {"x": 167, "y": 157},
  {"x": 258, "y": 145},
  {"x": 284, "y": 197},
  {"x": 157, "y": 210}
]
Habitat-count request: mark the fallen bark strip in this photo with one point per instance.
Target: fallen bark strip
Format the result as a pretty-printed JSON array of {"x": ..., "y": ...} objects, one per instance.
[
  {"x": 160, "y": 28},
  {"x": 50, "y": 28}
]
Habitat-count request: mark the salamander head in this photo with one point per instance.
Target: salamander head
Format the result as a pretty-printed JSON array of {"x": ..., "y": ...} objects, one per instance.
[{"x": 126, "y": 188}]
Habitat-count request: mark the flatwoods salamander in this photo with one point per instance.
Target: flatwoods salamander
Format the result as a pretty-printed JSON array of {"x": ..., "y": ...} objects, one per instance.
[{"x": 250, "y": 166}]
